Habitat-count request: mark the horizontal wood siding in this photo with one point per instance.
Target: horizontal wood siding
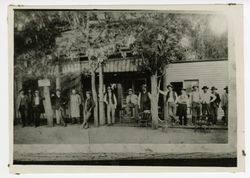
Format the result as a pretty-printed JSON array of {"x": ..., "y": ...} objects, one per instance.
[{"x": 211, "y": 73}]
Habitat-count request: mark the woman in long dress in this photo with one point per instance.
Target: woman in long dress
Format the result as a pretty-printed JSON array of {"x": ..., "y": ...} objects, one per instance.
[{"x": 75, "y": 101}]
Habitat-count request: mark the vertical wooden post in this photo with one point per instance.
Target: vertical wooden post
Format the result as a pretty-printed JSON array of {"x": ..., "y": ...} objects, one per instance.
[
  {"x": 101, "y": 97},
  {"x": 164, "y": 97},
  {"x": 47, "y": 106},
  {"x": 58, "y": 77},
  {"x": 94, "y": 94},
  {"x": 154, "y": 101}
]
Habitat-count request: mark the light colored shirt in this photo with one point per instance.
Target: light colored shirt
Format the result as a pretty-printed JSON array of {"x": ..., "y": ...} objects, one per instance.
[
  {"x": 37, "y": 100},
  {"x": 132, "y": 99},
  {"x": 195, "y": 97},
  {"x": 183, "y": 99},
  {"x": 206, "y": 98}
]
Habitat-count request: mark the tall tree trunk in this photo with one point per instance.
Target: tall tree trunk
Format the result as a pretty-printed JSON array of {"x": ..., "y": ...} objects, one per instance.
[
  {"x": 58, "y": 77},
  {"x": 154, "y": 101},
  {"x": 47, "y": 106},
  {"x": 164, "y": 97},
  {"x": 101, "y": 97},
  {"x": 94, "y": 93}
]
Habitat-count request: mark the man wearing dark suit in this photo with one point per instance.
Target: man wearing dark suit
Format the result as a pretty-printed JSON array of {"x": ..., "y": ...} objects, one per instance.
[
  {"x": 30, "y": 108},
  {"x": 59, "y": 103},
  {"x": 214, "y": 105},
  {"x": 37, "y": 104},
  {"x": 22, "y": 106}
]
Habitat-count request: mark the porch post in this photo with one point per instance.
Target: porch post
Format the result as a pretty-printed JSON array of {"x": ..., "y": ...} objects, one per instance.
[
  {"x": 58, "y": 77},
  {"x": 101, "y": 96},
  {"x": 164, "y": 98}
]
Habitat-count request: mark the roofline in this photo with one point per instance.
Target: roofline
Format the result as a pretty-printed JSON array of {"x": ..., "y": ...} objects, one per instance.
[{"x": 201, "y": 60}]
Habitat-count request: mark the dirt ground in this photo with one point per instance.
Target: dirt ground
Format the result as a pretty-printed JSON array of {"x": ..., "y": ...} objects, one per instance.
[{"x": 73, "y": 134}]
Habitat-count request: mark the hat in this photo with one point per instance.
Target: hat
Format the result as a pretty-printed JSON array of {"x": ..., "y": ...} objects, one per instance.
[
  {"x": 195, "y": 86},
  {"x": 213, "y": 88},
  {"x": 169, "y": 86},
  {"x": 36, "y": 91},
  {"x": 130, "y": 89},
  {"x": 58, "y": 90},
  {"x": 226, "y": 88},
  {"x": 204, "y": 87},
  {"x": 144, "y": 86},
  {"x": 21, "y": 90},
  {"x": 184, "y": 89},
  {"x": 88, "y": 92},
  {"x": 108, "y": 88}
]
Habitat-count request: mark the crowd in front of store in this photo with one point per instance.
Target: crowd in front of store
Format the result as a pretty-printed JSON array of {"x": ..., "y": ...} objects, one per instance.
[{"x": 203, "y": 104}]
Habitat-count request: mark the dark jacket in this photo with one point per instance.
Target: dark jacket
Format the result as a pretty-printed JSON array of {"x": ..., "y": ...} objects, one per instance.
[
  {"x": 22, "y": 101},
  {"x": 216, "y": 102},
  {"x": 40, "y": 105},
  {"x": 89, "y": 104},
  {"x": 58, "y": 102}
]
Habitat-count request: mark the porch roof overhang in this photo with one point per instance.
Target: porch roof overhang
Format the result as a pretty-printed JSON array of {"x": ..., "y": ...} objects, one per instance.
[{"x": 111, "y": 65}]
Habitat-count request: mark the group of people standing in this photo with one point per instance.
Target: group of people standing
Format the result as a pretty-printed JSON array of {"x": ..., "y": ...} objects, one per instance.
[
  {"x": 203, "y": 104},
  {"x": 30, "y": 107}
]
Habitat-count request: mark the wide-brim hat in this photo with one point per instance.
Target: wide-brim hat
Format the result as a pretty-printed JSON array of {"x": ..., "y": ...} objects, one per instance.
[
  {"x": 108, "y": 88},
  {"x": 130, "y": 89},
  {"x": 195, "y": 86},
  {"x": 144, "y": 86},
  {"x": 213, "y": 88},
  {"x": 88, "y": 92},
  {"x": 226, "y": 88},
  {"x": 204, "y": 87},
  {"x": 169, "y": 86}
]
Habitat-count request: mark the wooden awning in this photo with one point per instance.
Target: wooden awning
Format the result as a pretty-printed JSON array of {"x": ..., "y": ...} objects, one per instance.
[{"x": 111, "y": 65}]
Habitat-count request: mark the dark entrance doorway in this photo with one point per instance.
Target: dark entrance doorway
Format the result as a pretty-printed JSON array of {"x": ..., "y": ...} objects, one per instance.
[{"x": 177, "y": 86}]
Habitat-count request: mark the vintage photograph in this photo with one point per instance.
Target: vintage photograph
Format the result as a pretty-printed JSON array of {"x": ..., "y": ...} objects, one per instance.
[{"x": 110, "y": 77}]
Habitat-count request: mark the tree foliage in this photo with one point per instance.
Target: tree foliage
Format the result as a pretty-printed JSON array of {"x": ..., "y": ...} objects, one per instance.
[{"x": 159, "y": 38}]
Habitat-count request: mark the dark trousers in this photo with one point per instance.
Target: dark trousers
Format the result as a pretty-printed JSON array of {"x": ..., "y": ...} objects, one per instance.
[
  {"x": 30, "y": 118},
  {"x": 214, "y": 113},
  {"x": 206, "y": 111},
  {"x": 196, "y": 111},
  {"x": 22, "y": 111},
  {"x": 225, "y": 109},
  {"x": 183, "y": 113},
  {"x": 37, "y": 113}
]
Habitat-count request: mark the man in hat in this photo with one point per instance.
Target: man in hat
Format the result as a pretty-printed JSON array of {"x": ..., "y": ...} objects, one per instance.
[
  {"x": 89, "y": 104},
  {"x": 37, "y": 105},
  {"x": 224, "y": 104},
  {"x": 22, "y": 106},
  {"x": 214, "y": 105},
  {"x": 195, "y": 103},
  {"x": 111, "y": 102},
  {"x": 182, "y": 104},
  {"x": 171, "y": 99},
  {"x": 30, "y": 108},
  {"x": 144, "y": 99},
  {"x": 75, "y": 101},
  {"x": 206, "y": 99},
  {"x": 59, "y": 103},
  {"x": 131, "y": 103}
]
